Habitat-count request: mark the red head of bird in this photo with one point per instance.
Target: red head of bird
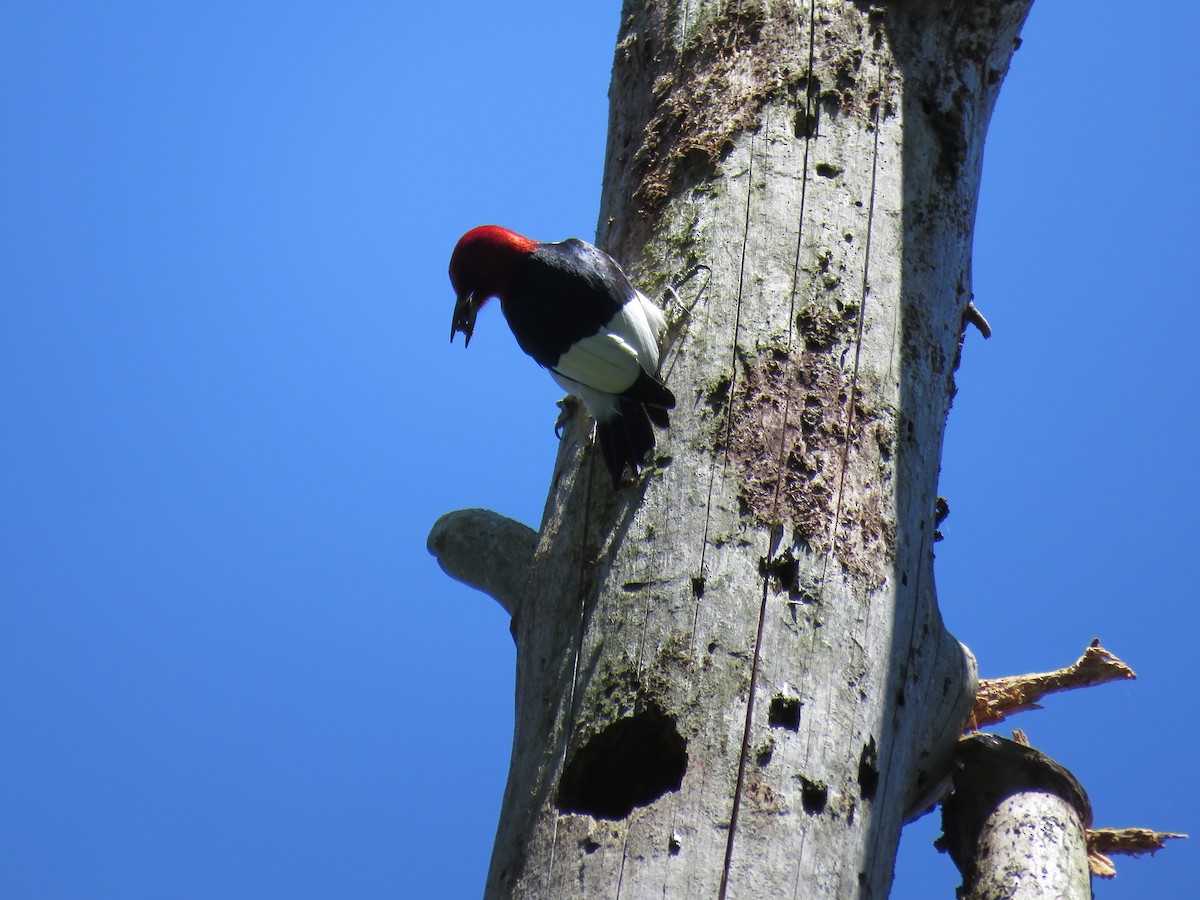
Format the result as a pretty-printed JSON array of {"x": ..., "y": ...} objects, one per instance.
[{"x": 482, "y": 266}]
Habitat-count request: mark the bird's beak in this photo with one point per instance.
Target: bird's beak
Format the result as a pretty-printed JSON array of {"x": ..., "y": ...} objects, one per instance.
[{"x": 465, "y": 311}]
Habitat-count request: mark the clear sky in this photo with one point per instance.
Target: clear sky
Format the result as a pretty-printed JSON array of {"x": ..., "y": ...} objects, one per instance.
[{"x": 228, "y": 667}]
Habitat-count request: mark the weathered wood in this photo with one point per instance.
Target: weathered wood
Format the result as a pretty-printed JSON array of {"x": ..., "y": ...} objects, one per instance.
[
  {"x": 732, "y": 676},
  {"x": 999, "y": 698},
  {"x": 490, "y": 552},
  {"x": 1016, "y": 824}
]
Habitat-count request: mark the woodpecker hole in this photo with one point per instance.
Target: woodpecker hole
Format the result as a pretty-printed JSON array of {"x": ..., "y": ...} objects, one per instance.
[
  {"x": 813, "y": 796},
  {"x": 765, "y": 751},
  {"x": 785, "y": 570},
  {"x": 826, "y": 170},
  {"x": 804, "y": 124},
  {"x": 868, "y": 770},
  {"x": 632, "y": 762},
  {"x": 784, "y": 713}
]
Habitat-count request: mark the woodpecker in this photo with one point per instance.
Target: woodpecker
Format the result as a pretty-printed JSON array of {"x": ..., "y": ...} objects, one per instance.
[{"x": 573, "y": 309}]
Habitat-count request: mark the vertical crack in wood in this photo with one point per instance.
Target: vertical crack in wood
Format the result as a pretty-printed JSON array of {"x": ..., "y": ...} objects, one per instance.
[
  {"x": 745, "y": 752},
  {"x": 858, "y": 340},
  {"x": 737, "y": 322},
  {"x": 808, "y": 136},
  {"x": 578, "y": 652}
]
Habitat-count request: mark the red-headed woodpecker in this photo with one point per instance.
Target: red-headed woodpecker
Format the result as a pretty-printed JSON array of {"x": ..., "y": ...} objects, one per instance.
[{"x": 572, "y": 308}]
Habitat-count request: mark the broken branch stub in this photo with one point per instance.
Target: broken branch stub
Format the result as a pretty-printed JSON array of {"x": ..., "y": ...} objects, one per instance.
[
  {"x": 998, "y": 698},
  {"x": 485, "y": 550}
]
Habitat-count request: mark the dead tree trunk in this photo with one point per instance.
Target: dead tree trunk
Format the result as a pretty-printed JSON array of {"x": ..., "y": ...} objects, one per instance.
[{"x": 732, "y": 676}]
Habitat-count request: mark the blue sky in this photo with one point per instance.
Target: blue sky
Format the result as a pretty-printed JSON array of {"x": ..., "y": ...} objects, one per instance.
[{"x": 228, "y": 666}]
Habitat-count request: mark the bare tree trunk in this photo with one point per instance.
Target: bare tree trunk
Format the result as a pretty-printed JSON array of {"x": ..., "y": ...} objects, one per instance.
[{"x": 732, "y": 677}]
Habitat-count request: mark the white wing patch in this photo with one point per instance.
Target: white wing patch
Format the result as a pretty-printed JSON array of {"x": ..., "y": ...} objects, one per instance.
[
  {"x": 641, "y": 323},
  {"x": 606, "y": 364},
  {"x": 611, "y": 359}
]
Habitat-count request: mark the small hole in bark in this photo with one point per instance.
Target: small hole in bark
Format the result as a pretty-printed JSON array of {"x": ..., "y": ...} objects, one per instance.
[
  {"x": 589, "y": 845},
  {"x": 718, "y": 396},
  {"x": 630, "y": 763},
  {"x": 825, "y": 170},
  {"x": 763, "y": 755},
  {"x": 785, "y": 569},
  {"x": 804, "y": 125},
  {"x": 868, "y": 770},
  {"x": 813, "y": 796},
  {"x": 698, "y": 586},
  {"x": 784, "y": 713}
]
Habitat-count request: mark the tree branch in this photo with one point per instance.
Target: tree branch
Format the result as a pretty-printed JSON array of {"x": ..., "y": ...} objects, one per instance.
[
  {"x": 485, "y": 550},
  {"x": 998, "y": 698}
]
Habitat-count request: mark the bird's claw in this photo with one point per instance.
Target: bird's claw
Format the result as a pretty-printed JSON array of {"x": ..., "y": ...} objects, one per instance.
[{"x": 566, "y": 410}]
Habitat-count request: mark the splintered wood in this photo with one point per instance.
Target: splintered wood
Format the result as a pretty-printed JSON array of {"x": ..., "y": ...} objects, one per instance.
[
  {"x": 998, "y": 698},
  {"x": 1128, "y": 841}
]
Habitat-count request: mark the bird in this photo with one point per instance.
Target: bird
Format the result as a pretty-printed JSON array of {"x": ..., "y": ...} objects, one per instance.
[{"x": 574, "y": 310}]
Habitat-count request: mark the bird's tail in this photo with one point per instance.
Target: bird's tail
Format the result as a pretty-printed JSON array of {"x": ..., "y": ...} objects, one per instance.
[{"x": 627, "y": 436}]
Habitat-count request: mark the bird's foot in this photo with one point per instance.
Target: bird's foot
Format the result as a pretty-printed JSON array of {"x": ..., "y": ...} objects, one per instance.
[
  {"x": 674, "y": 304},
  {"x": 567, "y": 407},
  {"x": 678, "y": 310}
]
